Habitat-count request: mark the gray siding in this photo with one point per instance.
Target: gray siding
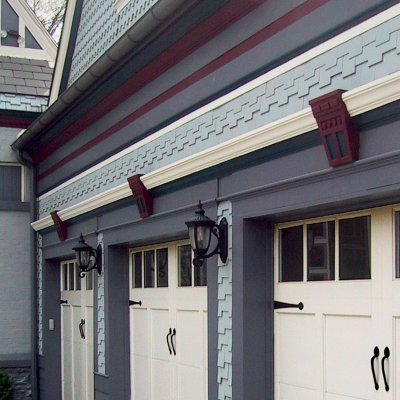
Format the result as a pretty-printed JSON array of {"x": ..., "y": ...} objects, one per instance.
[
  {"x": 7, "y": 136},
  {"x": 15, "y": 290}
]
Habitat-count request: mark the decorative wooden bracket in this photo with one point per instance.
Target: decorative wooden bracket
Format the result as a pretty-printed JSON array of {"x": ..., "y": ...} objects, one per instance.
[
  {"x": 141, "y": 195},
  {"x": 337, "y": 129},
  {"x": 61, "y": 226}
]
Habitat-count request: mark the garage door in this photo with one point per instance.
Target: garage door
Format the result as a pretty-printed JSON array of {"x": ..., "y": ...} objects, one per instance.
[
  {"x": 168, "y": 324},
  {"x": 76, "y": 333},
  {"x": 342, "y": 344}
]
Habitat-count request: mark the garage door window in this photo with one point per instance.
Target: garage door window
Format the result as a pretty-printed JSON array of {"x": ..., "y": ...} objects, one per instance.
[{"x": 335, "y": 249}]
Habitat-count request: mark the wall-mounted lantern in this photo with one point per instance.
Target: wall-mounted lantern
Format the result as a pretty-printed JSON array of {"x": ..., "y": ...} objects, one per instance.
[
  {"x": 87, "y": 257},
  {"x": 200, "y": 229}
]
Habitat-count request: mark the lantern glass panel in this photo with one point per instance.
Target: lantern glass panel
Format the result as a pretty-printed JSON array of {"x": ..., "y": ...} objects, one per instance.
[
  {"x": 203, "y": 238},
  {"x": 192, "y": 237},
  {"x": 83, "y": 258}
]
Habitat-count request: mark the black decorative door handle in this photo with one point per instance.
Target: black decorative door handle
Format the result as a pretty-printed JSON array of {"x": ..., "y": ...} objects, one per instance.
[
  {"x": 386, "y": 354},
  {"x": 172, "y": 341},
  {"x": 279, "y": 304},
  {"x": 168, "y": 335},
  {"x": 376, "y": 355},
  {"x": 134, "y": 303},
  {"x": 81, "y": 328}
]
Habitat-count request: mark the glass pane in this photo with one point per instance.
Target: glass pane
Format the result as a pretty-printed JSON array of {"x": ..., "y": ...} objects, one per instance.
[
  {"x": 137, "y": 270},
  {"x": 291, "y": 249},
  {"x": 89, "y": 280},
  {"x": 321, "y": 251},
  {"x": 200, "y": 275},
  {"x": 149, "y": 269},
  {"x": 71, "y": 274},
  {"x": 65, "y": 276},
  {"x": 77, "y": 278},
  {"x": 354, "y": 248},
  {"x": 185, "y": 265},
  {"x": 162, "y": 268}
]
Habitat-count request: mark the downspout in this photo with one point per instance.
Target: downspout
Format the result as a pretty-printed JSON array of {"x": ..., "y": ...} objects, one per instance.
[{"x": 27, "y": 162}]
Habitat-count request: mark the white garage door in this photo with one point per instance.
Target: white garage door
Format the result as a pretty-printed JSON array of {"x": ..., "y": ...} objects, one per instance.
[
  {"x": 169, "y": 328},
  {"x": 76, "y": 333},
  {"x": 344, "y": 270}
]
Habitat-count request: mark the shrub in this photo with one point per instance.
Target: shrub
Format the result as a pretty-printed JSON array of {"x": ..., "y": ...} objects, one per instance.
[{"x": 5, "y": 386}]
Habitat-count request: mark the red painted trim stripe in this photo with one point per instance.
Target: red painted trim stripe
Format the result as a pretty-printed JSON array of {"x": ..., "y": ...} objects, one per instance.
[
  {"x": 267, "y": 32},
  {"x": 15, "y": 122}
]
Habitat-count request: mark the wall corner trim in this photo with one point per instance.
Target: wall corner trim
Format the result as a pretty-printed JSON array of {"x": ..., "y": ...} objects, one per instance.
[
  {"x": 338, "y": 132},
  {"x": 60, "y": 225},
  {"x": 141, "y": 195}
]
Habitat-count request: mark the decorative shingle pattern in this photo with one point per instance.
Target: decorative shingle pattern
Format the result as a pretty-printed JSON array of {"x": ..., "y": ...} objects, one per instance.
[
  {"x": 225, "y": 313},
  {"x": 39, "y": 242},
  {"x": 24, "y": 76},
  {"x": 363, "y": 59},
  {"x": 20, "y": 102},
  {"x": 100, "y": 27},
  {"x": 101, "y": 325}
]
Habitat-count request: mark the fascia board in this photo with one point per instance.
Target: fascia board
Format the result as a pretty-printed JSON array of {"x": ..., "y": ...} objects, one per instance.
[{"x": 62, "y": 51}]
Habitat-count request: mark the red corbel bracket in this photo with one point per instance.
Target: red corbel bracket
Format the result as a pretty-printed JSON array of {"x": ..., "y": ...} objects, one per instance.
[
  {"x": 336, "y": 128},
  {"x": 141, "y": 195},
  {"x": 61, "y": 226}
]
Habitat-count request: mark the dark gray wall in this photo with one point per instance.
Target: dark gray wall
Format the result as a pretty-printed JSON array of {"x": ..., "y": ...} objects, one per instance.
[
  {"x": 252, "y": 308},
  {"x": 316, "y": 27},
  {"x": 49, "y": 368}
]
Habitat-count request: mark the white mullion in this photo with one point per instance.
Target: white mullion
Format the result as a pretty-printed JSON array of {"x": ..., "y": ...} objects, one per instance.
[
  {"x": 21, "y": 31},
  {"x": 336, "y": 250},
  {"x": 23, "y": 183},
  {"x": 277, "y": 254}
]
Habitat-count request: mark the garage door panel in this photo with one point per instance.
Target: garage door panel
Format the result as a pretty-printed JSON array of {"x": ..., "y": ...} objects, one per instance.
[
  {"x": 349, "y": 348},
  {"x": 140, "y": 378},
  {"x": 298, "y": 342},
  {"x": 161, "y": 380},
  {"x": 190, "y": 383},
  {"x": 189, "y": 338},
  {"x": 139, "y": 331},
  {"x": 159, "y": 330},
  {"x": 291, "y": 392}
]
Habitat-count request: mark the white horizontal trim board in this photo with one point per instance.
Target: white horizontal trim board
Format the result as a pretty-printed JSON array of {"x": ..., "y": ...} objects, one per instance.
[
  {"x": 359, "y": 100},
  {"x": 293, "y": 63}
]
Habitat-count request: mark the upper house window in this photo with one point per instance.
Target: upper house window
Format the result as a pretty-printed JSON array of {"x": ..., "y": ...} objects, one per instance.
[{"x": 10, "y": 183}]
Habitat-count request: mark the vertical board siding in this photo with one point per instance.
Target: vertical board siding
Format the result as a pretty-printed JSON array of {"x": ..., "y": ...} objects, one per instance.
[
  {"x": 101, "y": 329},
  {"x": 225, "y": 313},
  {"x": 39, "y": 242}
]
